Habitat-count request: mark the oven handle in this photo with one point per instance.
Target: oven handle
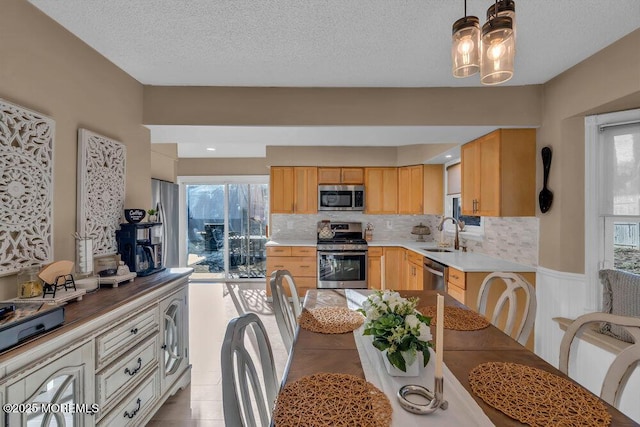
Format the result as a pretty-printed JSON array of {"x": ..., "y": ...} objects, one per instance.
[{"x": 341, "y": 253}]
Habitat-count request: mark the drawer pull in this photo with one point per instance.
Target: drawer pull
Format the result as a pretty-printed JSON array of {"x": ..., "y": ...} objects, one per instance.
[
  {"x": 279, "y": 266},
  {"x": 137, "y": 368},
  {"x": 134, "y": 331},
  {"x": 135, "y": 411},
  {"x": 163, "y": 346}
]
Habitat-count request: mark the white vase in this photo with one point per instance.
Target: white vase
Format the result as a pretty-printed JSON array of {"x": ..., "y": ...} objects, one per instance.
[{"x": 413, "y": 370}]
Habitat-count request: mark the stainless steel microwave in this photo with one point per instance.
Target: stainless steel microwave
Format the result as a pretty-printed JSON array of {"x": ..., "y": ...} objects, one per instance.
[{"x": 340, "y": 197}]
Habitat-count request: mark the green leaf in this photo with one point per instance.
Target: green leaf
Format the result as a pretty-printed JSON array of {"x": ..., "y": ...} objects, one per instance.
[
  {"x": 426, "y": 355},
  {"x": 397, "y": 360},
  {"x": 381, "y": 345}
]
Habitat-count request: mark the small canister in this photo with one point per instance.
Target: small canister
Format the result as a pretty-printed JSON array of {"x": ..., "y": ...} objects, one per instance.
[{"x": 29, "y": 284}]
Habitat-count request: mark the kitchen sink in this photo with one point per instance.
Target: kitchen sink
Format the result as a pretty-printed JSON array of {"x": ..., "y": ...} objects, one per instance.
[{"x": 436, "y": 250}]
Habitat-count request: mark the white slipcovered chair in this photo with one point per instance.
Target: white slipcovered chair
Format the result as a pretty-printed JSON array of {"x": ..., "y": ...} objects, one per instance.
[
  {"x": 242, "y": 387},
  {"x": 509, "y": 299},
  {"x": 286, "y": 312},
  {"x": 624, "y": 362}
]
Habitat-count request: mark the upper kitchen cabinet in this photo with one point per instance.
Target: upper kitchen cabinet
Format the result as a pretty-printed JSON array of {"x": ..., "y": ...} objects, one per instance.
[
  {"x": 294, "y": 189},
  {"x": 498, "y": 174},
  {"x": 281, "y": 189},
  {"x": 354, "y": 176},
  {"x": 381, "y": 190},
  {"x": 433, "y": 189},
  {"x": 410, "y": 189}
]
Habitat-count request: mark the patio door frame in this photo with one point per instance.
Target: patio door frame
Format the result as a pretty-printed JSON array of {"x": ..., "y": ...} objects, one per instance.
[{"x": 183, "y": 181}]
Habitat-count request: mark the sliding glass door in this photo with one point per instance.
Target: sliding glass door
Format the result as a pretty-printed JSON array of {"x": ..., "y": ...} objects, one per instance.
[{"x": 226, "y": 228}]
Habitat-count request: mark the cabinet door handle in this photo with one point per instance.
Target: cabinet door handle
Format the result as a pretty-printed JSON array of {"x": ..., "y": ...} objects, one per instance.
[
  {"x": 134, "y": 331},
  {"x": 135, "y": 370},
  {"x": 135, "y": 411},
  {"x": 163, "y": 346}
]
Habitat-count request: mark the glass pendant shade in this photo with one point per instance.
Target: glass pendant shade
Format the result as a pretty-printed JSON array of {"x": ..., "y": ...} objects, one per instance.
[
  {"x": 504, "y": 8},
  {"x": 498, "y": 51},
  {"x": 465, "y": 48}
]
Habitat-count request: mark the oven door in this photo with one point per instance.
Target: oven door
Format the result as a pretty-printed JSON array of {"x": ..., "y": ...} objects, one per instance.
[{"x": 342, "y": 270}]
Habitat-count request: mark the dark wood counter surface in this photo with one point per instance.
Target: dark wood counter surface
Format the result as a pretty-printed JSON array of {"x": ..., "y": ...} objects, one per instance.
[
  {"x": 314, "y": 352},
  {"x": 100, "y": 302}
]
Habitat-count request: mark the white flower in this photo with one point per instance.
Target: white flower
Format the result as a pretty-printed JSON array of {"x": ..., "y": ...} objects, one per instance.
[
  {"x": 411, "y": 321},
  {"x": 424, "y": 332}
]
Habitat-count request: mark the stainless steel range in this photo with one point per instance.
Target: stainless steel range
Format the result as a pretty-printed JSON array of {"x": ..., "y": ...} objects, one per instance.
[{"x": 342, "y": 256}]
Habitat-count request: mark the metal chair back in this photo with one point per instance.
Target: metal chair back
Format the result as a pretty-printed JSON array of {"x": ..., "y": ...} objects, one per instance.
[
  {"x": 244, "y": 392},
  {"x": 286, "y": 312}
]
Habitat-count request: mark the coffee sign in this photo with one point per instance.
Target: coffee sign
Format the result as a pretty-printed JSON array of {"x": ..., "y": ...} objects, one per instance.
[{"x": 134, "y": 216}]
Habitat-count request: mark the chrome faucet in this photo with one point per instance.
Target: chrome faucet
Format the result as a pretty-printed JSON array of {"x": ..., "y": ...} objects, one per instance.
[{"x": 456, "y": 240}]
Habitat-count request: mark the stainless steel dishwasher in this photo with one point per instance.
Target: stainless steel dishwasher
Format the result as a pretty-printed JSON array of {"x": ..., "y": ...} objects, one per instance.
[{"x": 434, "y": 275}]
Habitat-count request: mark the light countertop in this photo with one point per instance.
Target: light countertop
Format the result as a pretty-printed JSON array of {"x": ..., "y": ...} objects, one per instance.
[{"x": 463, "y": 261}]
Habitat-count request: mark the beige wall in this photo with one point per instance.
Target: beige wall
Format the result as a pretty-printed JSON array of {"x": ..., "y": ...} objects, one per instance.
[
  {"x": 331, "y": 156},
  {"x": 223, "y": 167},
  {"x": 491, "y": 106},
  {"x": 47, "y": 69},
  {"x": 164, "y": 162},
  {"x": 608, "y": 81}
]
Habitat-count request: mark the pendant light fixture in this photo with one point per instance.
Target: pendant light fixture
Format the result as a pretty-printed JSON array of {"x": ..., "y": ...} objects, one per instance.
[
  {"x": 493, "y": 52},
  {"x": 466, "y": 45}
]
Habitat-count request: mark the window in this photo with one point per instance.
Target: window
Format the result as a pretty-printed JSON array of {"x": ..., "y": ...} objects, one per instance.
[
  {"x": 612, "y": 197},
  {"x": 474, "y": 225}
]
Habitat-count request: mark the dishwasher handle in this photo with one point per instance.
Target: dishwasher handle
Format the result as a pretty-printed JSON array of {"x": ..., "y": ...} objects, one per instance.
[{"x": 432, "y": 271}]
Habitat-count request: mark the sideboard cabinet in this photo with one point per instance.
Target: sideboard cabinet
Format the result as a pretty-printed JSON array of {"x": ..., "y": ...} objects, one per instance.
[{"x": 115, "y": 368}]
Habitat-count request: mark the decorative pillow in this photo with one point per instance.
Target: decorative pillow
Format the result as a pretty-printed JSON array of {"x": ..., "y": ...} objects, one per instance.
[{"x": 621, "y": 296}]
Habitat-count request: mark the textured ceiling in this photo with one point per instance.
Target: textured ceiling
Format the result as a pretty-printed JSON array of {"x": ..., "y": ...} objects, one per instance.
[{"x": 329, "y": 43}]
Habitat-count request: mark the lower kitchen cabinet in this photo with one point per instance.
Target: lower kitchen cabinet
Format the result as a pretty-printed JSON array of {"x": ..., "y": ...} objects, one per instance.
[
  {"x": 414, "y": 272},
  {"x": 300, "y": 261},
  {"x": 394, "y": 267},
  {"x": 115, "y": 369},
  {"x": 465, "y": 287},
  {"x": 374, "y": 268}
]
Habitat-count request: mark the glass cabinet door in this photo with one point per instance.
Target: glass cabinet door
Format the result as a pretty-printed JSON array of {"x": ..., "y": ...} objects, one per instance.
[
  {"x": 62, "y": 386},
  {"x": 174, "y": 336}
]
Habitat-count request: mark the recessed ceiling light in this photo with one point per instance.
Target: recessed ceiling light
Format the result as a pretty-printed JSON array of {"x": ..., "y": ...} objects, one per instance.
[
  {"x": 448, "y": 156},
  {"x": 211, "y": 149}
]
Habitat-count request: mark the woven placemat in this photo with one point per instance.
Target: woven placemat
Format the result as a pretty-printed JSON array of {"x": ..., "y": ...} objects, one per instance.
[
  {"x": 536, "y": 397},
  {"x": 332, "y": 400},
  {"x": 457, "y": 318},
  {"x": 330, "y": 320}
]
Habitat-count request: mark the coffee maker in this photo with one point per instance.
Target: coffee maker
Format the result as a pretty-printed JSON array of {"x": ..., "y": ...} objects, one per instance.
[{"x": 140, "y": 247}]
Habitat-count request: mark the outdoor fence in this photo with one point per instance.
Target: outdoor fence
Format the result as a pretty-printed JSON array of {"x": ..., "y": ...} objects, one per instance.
[{"x": 627, "y": 235}]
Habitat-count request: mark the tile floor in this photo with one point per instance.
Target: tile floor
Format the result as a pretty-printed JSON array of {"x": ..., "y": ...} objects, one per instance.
[{"x": 211, "y": 306}]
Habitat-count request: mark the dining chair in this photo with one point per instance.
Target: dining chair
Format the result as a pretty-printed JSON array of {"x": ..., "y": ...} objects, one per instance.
[
  {"x": 624, "y": 362},
  {"x": 286, "y": 312},
  {"x": 508, "y": 299},
  {"x": 242, "y": 387}
]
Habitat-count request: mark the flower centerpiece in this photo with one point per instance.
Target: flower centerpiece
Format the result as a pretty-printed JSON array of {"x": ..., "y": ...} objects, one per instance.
[{"x": 397, "y": 328}]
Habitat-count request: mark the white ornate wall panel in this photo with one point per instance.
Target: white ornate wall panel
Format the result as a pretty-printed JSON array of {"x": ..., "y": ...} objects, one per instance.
[
  {"x": 101, "y": 189},
  {"x": 26, "y": 188}
]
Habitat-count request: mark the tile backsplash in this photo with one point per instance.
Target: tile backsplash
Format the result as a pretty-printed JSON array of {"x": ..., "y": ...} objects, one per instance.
[{"x": 512, "y": 238}]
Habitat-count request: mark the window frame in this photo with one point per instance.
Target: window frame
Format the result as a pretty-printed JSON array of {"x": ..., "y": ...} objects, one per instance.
[{"x": 596, "y": 225}]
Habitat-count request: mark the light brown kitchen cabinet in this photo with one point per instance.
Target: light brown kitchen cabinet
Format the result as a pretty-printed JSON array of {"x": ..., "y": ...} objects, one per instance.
[
  {"x": 465, "y": 287},
  {"x": 498, "y": 174},
  {"x": 410, "y": 189},
  {"x": 374, "y": 267},
  {"x": 281, "y": 189},
  {"x": 301, "y": 263},
  {"x": 351, "y": 176},
  {"x": 294, "y": 189},
  {"x": 306, "y": 190},
  {"x": 381, "y": 190},
  {"x": 433, "y": 197},
  {"x": 394, "y": 267},
  {"x": 414, "y": 272}
]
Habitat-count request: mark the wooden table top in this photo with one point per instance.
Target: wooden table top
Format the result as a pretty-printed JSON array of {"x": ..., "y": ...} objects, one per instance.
[{"x": 463, "y": 350}]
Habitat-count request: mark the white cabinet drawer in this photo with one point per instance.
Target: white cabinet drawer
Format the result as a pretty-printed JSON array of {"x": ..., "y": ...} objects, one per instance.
[
  {"x": 135, "y": 407},
  {"x": 121, "y": 337},
  {"x": 123, "y": 374}
]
